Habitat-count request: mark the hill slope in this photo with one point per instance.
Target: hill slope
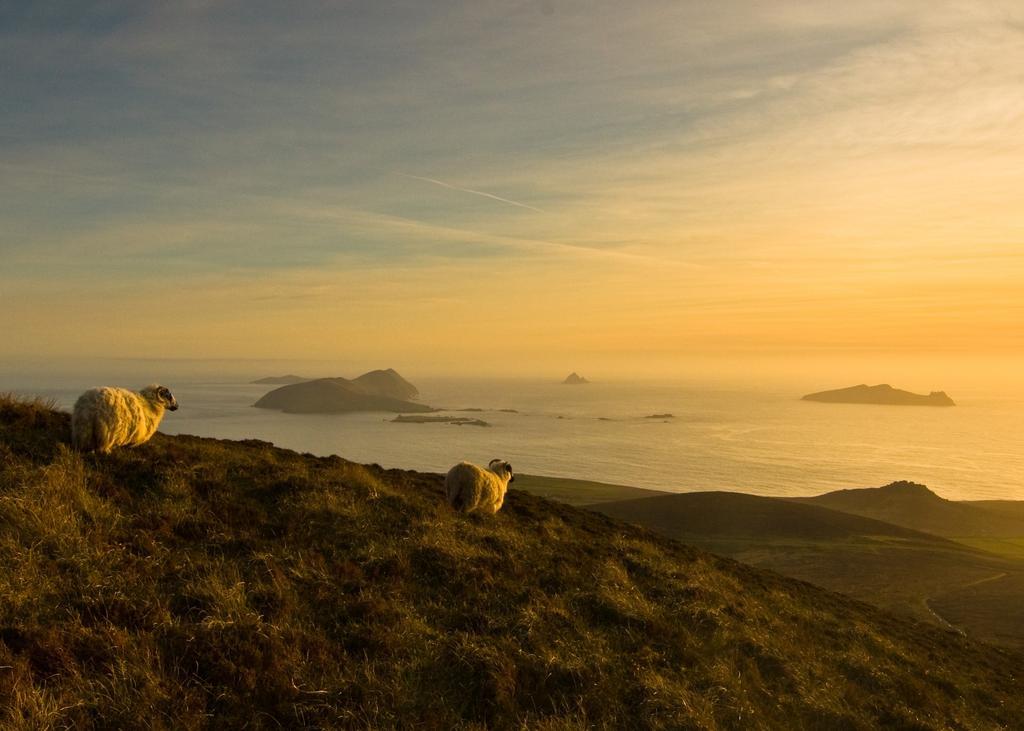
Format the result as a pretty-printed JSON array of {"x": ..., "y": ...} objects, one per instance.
[
  {"x": 891, "y": 566},
  {"x": 194, "y": 579}
]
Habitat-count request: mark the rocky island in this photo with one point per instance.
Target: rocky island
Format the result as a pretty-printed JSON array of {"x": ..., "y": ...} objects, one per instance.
[
  {"x": 882, "y": 394},
  {"x": 575, "y": 379},
  {"x": 381, "y": 390}
]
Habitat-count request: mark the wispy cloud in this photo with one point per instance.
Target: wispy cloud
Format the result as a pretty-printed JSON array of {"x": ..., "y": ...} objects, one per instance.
[
  {"x": 691, "y": 170},
  {"x": 481, "y": 193},
  {"x": 352, "y": 219},
  {"x": 56, "y": 173}
]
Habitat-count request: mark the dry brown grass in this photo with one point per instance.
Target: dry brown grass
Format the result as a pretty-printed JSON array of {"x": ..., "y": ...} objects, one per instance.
[{"x": 195, "y": 583}]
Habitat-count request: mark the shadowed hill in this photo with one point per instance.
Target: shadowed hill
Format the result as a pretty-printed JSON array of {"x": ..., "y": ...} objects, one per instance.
[
  {"x": 915, "y": 506},
  {"x": 195, "y": 582},
  {"x": 738, "y": 515},
  {"x": 1013, "y": 509}
]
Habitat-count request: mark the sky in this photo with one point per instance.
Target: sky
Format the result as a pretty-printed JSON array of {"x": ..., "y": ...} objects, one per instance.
[{"x": 473, "y": 185}]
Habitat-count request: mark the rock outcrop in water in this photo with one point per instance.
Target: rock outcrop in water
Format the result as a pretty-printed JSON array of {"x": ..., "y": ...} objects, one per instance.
[
  {"x": 373, "y": 391},
  {"x": 882, "y": 394},
  {"x": 575, "y": 379},
  {"x": 453, "y": 420}
]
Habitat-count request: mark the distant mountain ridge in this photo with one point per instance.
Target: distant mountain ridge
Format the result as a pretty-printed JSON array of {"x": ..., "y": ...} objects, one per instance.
[
  {"x": 735, "y": 514},
  {"x": 914, "y": 506},
  {"x": 379, "y": 390},
  {"x": 882, "y": 394}
]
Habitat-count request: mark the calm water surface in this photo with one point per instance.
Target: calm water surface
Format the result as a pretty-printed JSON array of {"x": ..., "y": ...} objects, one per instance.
[{"x": 764, "y": 441}]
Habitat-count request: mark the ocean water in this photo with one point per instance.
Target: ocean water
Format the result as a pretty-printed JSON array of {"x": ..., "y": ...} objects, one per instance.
[{"x": 762, "y": 440}]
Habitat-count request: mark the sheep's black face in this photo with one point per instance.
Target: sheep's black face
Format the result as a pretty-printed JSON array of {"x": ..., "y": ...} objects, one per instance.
[
  {"x": 501, "y": 467},
  {"x": 167, "y": 398}
]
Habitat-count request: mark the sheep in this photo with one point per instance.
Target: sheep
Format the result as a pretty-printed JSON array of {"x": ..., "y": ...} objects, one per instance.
[
  {"x": 472, "y": 488},
  {"x": 108, "y": 417}
]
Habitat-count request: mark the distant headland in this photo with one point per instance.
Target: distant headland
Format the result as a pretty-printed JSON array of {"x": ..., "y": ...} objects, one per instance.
[
  {"x": 575, "y": 379},
  {"x": 881, "y": 394},
  {"x": 282, "y": 380},
  {"x": 381, "y": 390}
]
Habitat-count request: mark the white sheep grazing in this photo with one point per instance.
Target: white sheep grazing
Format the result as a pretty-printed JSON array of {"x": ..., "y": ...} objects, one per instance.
[
  {"x": 110, "y": 417},
  {"x": 472, "y": 488}
]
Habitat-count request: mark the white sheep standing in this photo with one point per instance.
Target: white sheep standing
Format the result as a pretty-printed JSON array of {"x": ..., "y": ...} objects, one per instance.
[
  {"x": 108, "y": 417},
  {"x": 472, "y": 488}
]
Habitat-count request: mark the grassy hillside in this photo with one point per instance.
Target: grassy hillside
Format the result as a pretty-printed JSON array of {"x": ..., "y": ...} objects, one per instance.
[
  {"x": 196, "y": 583},
  {"x": 888, "y": 565}
]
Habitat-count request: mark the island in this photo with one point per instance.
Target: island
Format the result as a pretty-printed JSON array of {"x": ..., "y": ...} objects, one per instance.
[
  {"x": 282, "y": 380},
  {"x": 454, "y": 420},
  {"x": 381, "y": 390},
  {"x": 574, "y": 379},
  {"x": 881, "y": 394}
]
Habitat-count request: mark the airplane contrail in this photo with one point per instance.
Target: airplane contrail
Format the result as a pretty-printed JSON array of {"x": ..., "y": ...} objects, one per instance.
[{"x": 470, "y": 190}]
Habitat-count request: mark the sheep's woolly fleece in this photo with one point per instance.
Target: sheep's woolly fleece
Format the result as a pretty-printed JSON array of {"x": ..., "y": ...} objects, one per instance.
[
  {"x": 108, "y": 417},
  {"x": 470, "y": 487}
]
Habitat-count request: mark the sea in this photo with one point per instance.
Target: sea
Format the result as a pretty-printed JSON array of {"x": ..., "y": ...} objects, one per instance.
[{"x": 674, "y": 436}]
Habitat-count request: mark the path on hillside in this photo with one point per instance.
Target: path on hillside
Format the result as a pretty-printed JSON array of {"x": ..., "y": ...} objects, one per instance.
[
  {"x": 942, "y": 620},
  {"x": 985, "y": 580}
]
